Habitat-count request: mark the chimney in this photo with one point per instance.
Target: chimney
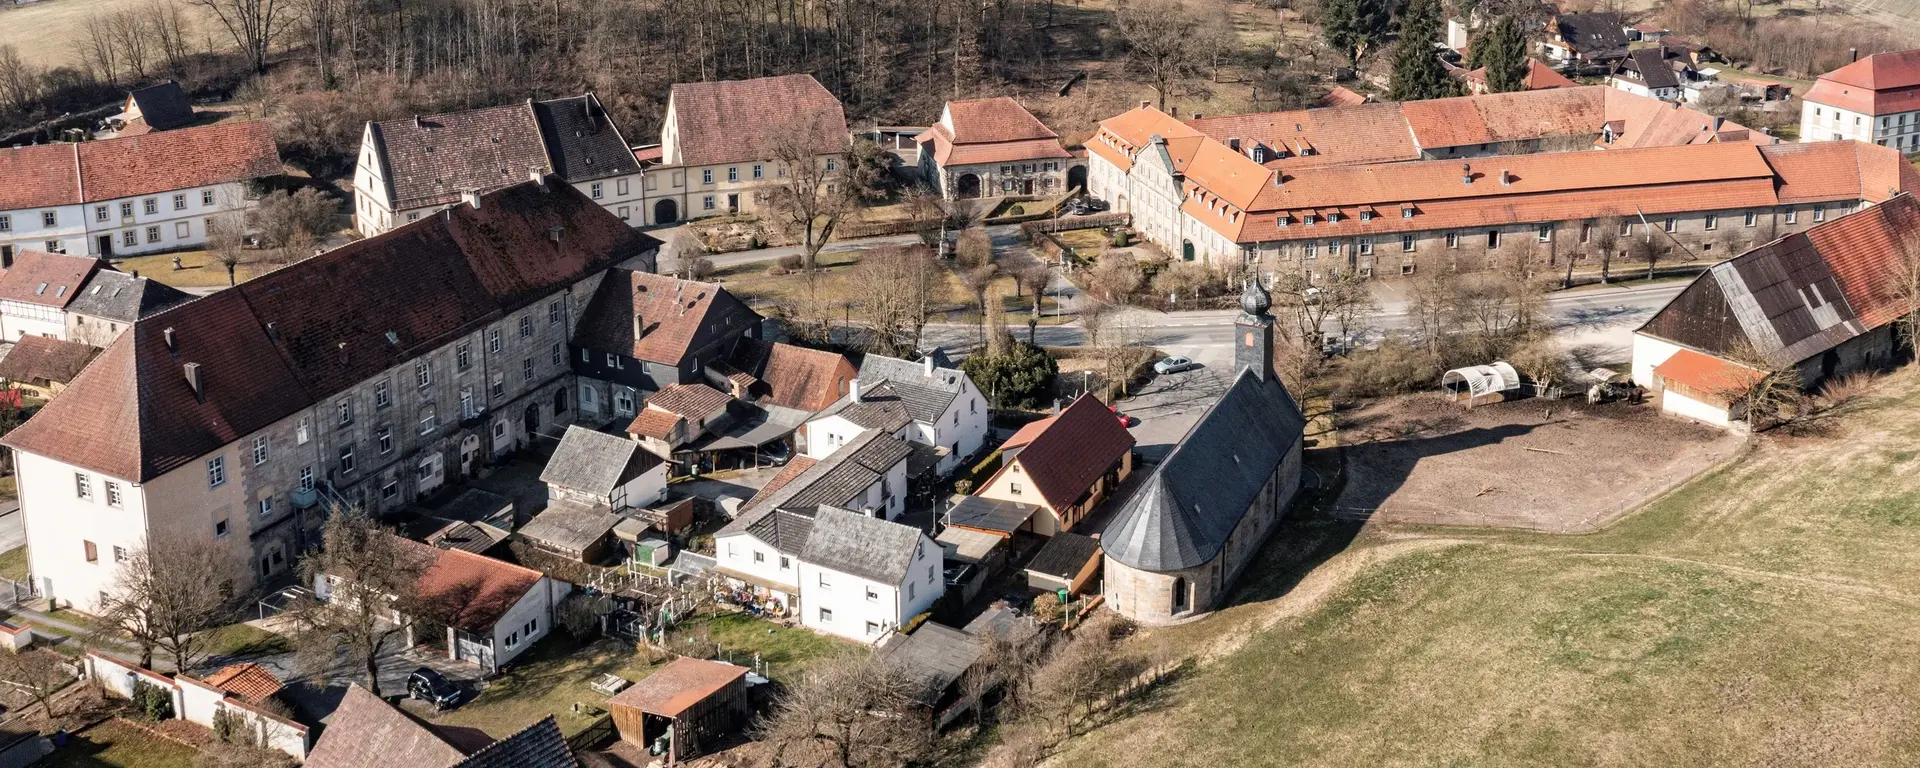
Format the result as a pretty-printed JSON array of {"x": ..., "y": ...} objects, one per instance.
[
  {"x": 554, "y": 232},
  {"x": 417, "y": 123},
  {"x": 472, "y": 198},
  {"x": 639, "y": 327},
  {"x": 1853, "y": 55},
  {"x": 135, "y": 274},
  {"x": 192, "y": 371},
  {"x": 1506, "y": 179},
  {"x": 853, "y": 390},
  {"x": 168, "y": 335},
  {"x": 926, "y": 363},
  {"x": 1279, "y": 179},
  {"x": 537, "y": 176},
  {"x": 1466, "y": 174}
]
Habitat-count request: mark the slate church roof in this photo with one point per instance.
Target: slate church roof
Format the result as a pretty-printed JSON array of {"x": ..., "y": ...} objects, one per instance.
[{"x": 1182, "y": 516}]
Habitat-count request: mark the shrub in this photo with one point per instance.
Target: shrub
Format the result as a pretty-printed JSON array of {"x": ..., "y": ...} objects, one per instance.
[
  {"x": 1017, "y": 210},
  {"x": 1840, "y": 390},
  {"x": 793, "y": 262},
  {"x": 1393, "y": 367},
  {"x": 700, "y": 268},
  {"x": 777, "y": 270},
  {"x": 1120, "y": 238},
  {"x": 155, "y": 703}
]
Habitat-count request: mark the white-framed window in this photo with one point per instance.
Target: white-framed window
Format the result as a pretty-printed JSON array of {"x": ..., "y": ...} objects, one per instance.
[
  {"x": 1751, "y": 219},
  {"x": 463, "y": 356},
  {"x": 873, "y": 628},
  {"x": 1713, "y": 221},
  {"x": 426, "y": 419},
  {"x": 1544, "y": 233},
  {"x": 53, "y": 246},
  {"x": 1366, "y": 245},
  {"x": 382, "y": 394},
  {"x": 1670, "y": 225},
  {"x": 206, "y": 197},
  {"x": 113, "y": 494},
  {"x": 266, "y": 507},
  {"x": 623, "y": 401},
  {"x": 261, "y": 450},
  {"x": 598, "y": 188},
  {"x": 180, "y": 201},
  {"x": 706, "y": 177},
  {"x": 824, "y": 584},
  {"x": 82, "y": 486},
  {"x": 832, "y": 164},
  {"x": 533, "y": 625},
  {"x": 423, "y": 374},
  {"x": 306, "y": 478},
  {"x": 302, "y": 431},
  {"x": 733, "y": 173},
  {"x": 119, "y": 554},
  {"x": 526, "y": 369},
  {"x": 1820, "y": 211},
  {"x": 100, "y": 213},
  {"x": 150, "y": 206},
  {"x": 384, "y": 439},
  {"x": 1407, "y": 243},
  {"x": 826, "y": 615},
  {"x": 526, "y": 326},
  {"x": 757, "y": 171},
  {"x": 6, "y": 223},
  {"x": 499, "y": 385},
  {"x": 390, "y": 491},
  {"x": 345, "y": 406},
  {"x": 346, "y": 458},
  {"x": 555, "y": 313},
  {"x": 706, "y": 203},
  {"x": 126, "y": 210},
  {"x": 1792, "y": 214},
  {"x": 493, "y": 340},
  {"x": 1453, "y": 239}
]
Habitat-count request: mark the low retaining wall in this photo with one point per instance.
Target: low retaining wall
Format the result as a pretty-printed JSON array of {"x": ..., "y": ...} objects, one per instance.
[{"x": 198, "y": 702}]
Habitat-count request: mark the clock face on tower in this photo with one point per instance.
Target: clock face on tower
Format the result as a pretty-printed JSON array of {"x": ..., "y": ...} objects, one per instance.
[{"x": 1250, "y": 341}]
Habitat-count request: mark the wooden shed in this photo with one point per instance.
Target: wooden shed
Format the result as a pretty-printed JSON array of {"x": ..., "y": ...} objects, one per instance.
[{"x": 683, "y": 708}]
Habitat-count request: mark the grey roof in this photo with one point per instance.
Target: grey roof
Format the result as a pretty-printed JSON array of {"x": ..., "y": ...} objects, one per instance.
[
  {"x": 1064, "y": 555},
  {"x": 581, "y": 139},
  {"x": 537, "y": 746},
  {"x": 982, "y": 513},
  {"x": 1651, "y": 65},
  {"x": 925, "y": 397},
  {"x": 838, "y": 478},
  {"x": 461, "y": 535},
  {"x": 1181, "y": 517},
  {"x": 475, "y": 505},
  {"x": 880, "y": 407},
  {"x": 867, "y": 547},
  {"x": 998, "y": 619},
  {"x": 163, "y": 106},
  {"x": 1594, "y": 34},
  {"x": 571, "y": 525},
  {"x": 124, "y": 298},
  {"x": 935, "y": 656},
  {"x": 786, "y": 531},
  {"x": 595, "y": 462}
]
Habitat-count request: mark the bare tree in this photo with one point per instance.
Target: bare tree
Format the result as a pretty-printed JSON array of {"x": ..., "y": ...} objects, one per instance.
[
  {"x": 1079, "y": 678},
  {"x": 280, "y": 215},
  {"x": 1904, "y": 283},
  {"x": 974, "y": 249},
  {"x": 39, "y": 672},
  {"x": 1606, "y": 241},
  {"x": 252, "y": 24},
  {"x": 128, "y": 30},
  {"x": 322, "y": 19},
  {"x": 373, "y": 577},
  {"x": 19, "y": 80},
  {"x": 100, "y": 54},
  {"x": 929, "y": 217},
  {"x": 1166, "y": 42},
  {"x": 164, "y": 597},
  {"x": 168, "y": 24},
  {"x": 893, "y": 287},
  {"x": 813, "y": 197},
  {"x": 1114, "y": 277},
  {"x": 851, "y": 711}
]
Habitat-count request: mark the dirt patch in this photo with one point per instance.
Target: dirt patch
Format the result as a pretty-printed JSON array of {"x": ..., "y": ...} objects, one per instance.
[{"x": 1534, "y": 464}]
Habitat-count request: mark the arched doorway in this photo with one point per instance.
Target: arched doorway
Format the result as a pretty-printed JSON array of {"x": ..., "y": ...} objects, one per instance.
[
  {"x": 666, "y": 212},
  {"x": 968, "y": 185},
  {"x": 1077, "y": 177},
  {"x": 1186, "y": 250}
]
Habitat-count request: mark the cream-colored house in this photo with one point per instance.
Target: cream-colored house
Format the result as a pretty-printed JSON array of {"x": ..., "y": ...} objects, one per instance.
[
  {"x": 725, "y": 136},
  {"x": 1066, "y": 464}
]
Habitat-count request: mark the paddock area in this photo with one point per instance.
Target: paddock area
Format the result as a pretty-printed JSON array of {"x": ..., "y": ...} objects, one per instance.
[{"x": 1558, "y": 465}]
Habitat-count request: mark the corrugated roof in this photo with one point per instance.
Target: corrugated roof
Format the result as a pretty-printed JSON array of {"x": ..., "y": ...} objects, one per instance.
[{"x": 685, "y": 682}]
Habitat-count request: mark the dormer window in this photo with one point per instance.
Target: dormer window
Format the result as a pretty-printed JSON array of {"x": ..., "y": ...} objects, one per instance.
[
  {"x": 1406, "y": 212},
  {"x": 1333, "y": 217},
  {"x": 1280, "y": 221},
  {"x": 1366, "y": 215},
  {"x": 1308, "y": 218}
]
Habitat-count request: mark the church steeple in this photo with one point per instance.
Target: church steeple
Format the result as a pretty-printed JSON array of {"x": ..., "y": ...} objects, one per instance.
[{"x": 1253, "y": 347}]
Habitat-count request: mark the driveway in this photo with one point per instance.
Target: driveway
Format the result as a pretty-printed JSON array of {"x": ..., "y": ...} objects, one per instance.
[
  {"x": 314, "y": 697},
  {"x": 13, "y": 528}
]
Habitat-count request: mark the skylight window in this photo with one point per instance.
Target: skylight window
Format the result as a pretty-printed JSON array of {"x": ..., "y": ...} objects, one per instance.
[{"x": 40, "y": 290}]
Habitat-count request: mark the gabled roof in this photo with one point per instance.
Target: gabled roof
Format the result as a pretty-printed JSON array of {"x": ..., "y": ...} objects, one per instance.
[
  {"x": 365, "y": 731},
  {"x": 1796, "y": 297},
  {"x": 794, "y": 377},
  {"x": 925, "y": 393},
  {"x": 1070, "y": 450},
  {"x": 868, "y": 547},
  {"x": 164, "y": 106},
  {"x": 1879, "y": 84},
  {"x": 678, "y": 686},
  {"x": 675, "y": 317},
  {"x": 283, "y": 341},
  {"x": 727, "y": 121},
  {"x": 935, "y": 657},
  {"x": 595, "y": 462},
  {"x": 582, "y": 142},
  {"x": 689, "y": 401},
  {"x": 430, "y": 160},
  {"x": 839, "y": 478},
  {"x": 786, "y": 532},
  {"x": 179, "y": 159},
  {"x": 1649, "y": 65},
  {"x": 654, "y": 423},
  {"x": 39, "y": 176},
  {"x": 249, "y": 681},
  {"x": 44, "y": 358},
  {"x": 47, "y": 279},
  {"x": 540, "y": 745},
  {"x": 1593, "y": 35},
  {"x": 1064, "y": 555},
  {"x": 795, "y": 467},
  {"x": 571, "y": 525},
  {"x": 124, "y": 298},
  {"x": 1539, "y": 77},
  {"x": 471, "y": 591},
  {"x": 991, "y": 130},
  {"x": 1192, "y": 502}
]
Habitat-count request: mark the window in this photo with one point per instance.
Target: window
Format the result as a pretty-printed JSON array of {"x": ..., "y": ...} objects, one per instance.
[
  {"x": 526, "y": 369},
  {"x": 1544, "y": 233},
  {"x": 785, "y": 562},
  {"x": 345, "y": 407},
  {"x": 1014, "y": 488},
  {"x": 53, "y": 246},
  {"x": 1793, "y": 215},
  {"x": 206, "y": 197},
  {"x": 462, "y": 356},
  {"x": 873, "y": 628},
  {"x": 49, "y": 218},
  {"x": 832, "y": 165},
  {"x": 532, "y": 626},
  {"x": 300, "y": 431},
  {"x": 733, "y": 173},
  {"x": 910, "y": 591},
  {"x": 216, "y": 472},
  {"x": 706, "y": 203},
  {"x": 220, "y": 529},
  {"x": 153, "y": 234},
  {"x": 1453, "y": 240},
  {"x": 6, "y": 223},
  {"x": 113, "y": 494},
  {"x": 1626, "y": 228},
  {"x": 346, "y": 458},
  {"x": 119, "y": 554},
  {"x": 180, "y": 202},
  {"x": 1493, "y": 238},
  {"x": 493, "y": 340},
  {"x": 597, "y": 189},
  {"x": 182, "y": 229},
  {"x": 150, "y": 206},
  {"x": 266, "y": 507},
  {"x": 93, "y": 552},
  {"x": 130, "y": 238},
  {"x": 706, "y": 177},
  {"x": 426, "y": 420},
  {"x": 559, "y": 356},
  {"x": 873, "y": 595},
  {"x": 1366, "y": 215},
  {"x": 757, "y": 171},
  {"x": 526, "y": 326},
  {"x": 82, "y": 486},
  {"x": 261, "y": 450},
  {"x": 498, "y": 385},
  {"x": 1366, "y": 245},
  {"x": 423, "y": 374},
  {"x": 126, "y": 210},
  {"x": 1671, "y": 224},
  {"x": 1308, "y": 249},
  {"x": 826, "y": 614},
  {"x": 1407, "y": 243},
  {"x": 1819, "y": 213},
  {"x": 390, "y": 491},
  {"x": 382, "y": 394},
  {"x": 1713, "y": 221},
  {"x": 384, "y": 439},
  {"x": 554, "y": 312},
  {"x": 1751, "y": 219},
  {"x": 823, "y": 582},
  {"x": 306, "y": 478}
]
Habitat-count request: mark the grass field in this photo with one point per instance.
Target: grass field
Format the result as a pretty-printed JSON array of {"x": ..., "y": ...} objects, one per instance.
[
  {"x": 116, "y": 745},
  {"x": 199, "y": 269},
  {"x": 1766, "y": 614},
  {"x": 834, "y": 292},
  {"x": 51, "y": 33},
  {"x": 13, "y": 564}
]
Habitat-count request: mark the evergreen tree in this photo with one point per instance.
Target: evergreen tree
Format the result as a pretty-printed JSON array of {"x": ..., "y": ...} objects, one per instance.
[
  {"x": 1505, "y": 56},
  {"x": 1417, "y": 72},
  {"x": 1352, "y": 26}
]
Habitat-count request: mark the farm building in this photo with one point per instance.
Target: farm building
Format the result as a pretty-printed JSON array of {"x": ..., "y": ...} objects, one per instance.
[{"x": 684, "y": 706}]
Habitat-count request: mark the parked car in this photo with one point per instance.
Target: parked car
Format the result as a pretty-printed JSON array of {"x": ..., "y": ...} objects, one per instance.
[
  {"x": 433, "y": 688},
  {"x": 1174, "y": 364}
]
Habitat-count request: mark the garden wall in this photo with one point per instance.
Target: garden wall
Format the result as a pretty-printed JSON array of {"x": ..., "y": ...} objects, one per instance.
[{"x": 198, "y": 702}]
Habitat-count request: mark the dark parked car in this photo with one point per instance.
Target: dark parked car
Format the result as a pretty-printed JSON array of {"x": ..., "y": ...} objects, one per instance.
[{"x": 432, "y": 687}]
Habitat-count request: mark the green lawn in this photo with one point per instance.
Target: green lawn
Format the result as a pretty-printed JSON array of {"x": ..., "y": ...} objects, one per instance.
[
  {"x": 199, "y": 269},
  {"x": 242, "y": 639},
  {"x": 13, "y": 564},
  {"x": 1765, "y": 614},
  {"x": 116, "y": 745}
]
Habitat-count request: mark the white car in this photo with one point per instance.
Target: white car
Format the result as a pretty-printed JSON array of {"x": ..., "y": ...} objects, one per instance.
[{"x": 1174, "y": 364}]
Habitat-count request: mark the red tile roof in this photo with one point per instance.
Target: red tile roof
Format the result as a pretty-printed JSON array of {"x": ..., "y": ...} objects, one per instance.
[
  {"x": 729, "y": 121},
  {"x": 1708, "y": 375},
  {"x": 365, "y": 731},
  {"x": 690, "y": 401},
  {"x": 992, "y": 130},
  {"x": 1539, "y": 77},
  {"x": 47, "y": 279},
  {"x": 678, "y": 686},
  {"x": 653, "y": 423},
  {"x": 473, "y": 592},
  {"x": 248, "y": 681},
  {"x": 431, "y": 160},
  {"x": 41, "y": 358},
  {"x": 40, "y": 176},
  {"x": 1071, "y": 450},
  {"x": 1864, "y": 249},
  {"x": 298, "y": 335},
  {"x": 1879, "y": 84},
  {"x": 795, "y": 377},
  {"x": 1341, "y": 96},
  {"x": 676, "y": 317},
  {"x": 177, "y": 159}
]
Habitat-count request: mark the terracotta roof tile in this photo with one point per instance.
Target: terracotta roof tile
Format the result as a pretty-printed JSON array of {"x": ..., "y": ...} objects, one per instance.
[
  {"x": 734, "y": 120},
  {"x": 1879, "y": 84},
  {"x": 678, "y": 686},
  {"x": 1863, "y": 250},
  {"x": 676, "y": 317},
  {"x": 1708, "y": 375},
  {"x": 1341, "y": 96},
  {"x": 47, "y": 279},
  {"x": 473, "y": 591},
  {"x": 430, "y": 160},
  {"x": 994, "y": 119},
  {"x": 177, "y": 159},
  {"x": 1072, "y": 450},
  {"x": 42, "y": 358},
  {"x": 795, "y": 377},
  {"x": 39, "y": 176},
  {"x": 365, "y": 731},
  {"x": 248, "y": 681},
  {"x": 690, "y": 401},
  {"x": 653, "y": 423}
]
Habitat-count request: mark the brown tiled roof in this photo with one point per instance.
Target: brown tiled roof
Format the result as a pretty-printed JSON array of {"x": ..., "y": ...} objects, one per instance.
[
  {"x": 678, "y": 686},
  {"x": 994, "y": 119},
  {"x": 47, "y": 279},
  {"x": 795, "y": 377},
  {"x": 795, "y": 467},
  {"x": 1341, "y": 96},
  {"x": 248, "y": 681},
  {"x": 472, "y": 591},
  {"x": 1539, "y": 77},
  {"x": 431, "y": 160},
  {"x": 39, "y": 176},
  {"x": 653, "y": 423},
  {"x": 1363, "y": 133},
  {"x": 1863, "y": 252},
  {"x": 677, "y": 317},
  {"x": 177, "y": 159},
  {"x": 43, "y": 358},
  {"x": 691, "y": 401},
  {"x": 298, "y": 335},
  {"x": 1708, "y": 375},
  {"x": 1879, "y": 84},
  {"x": 734, "y": 120},
  {"x": 365, "y": 731},
  {"x": 1064, "y": 457}
]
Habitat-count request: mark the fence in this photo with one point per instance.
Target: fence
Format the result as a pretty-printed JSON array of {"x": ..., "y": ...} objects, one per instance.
[
  {"x": 599, "y": 732},
  {"x": 1095, "y": 221},
  {"x": 198, "y": 702},
  {"x": 13, "y": 593}
]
